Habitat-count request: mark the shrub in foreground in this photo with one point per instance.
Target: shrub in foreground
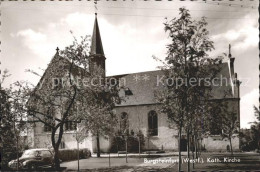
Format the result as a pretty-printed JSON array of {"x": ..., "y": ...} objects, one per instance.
[{"x": 72, "y": 154}]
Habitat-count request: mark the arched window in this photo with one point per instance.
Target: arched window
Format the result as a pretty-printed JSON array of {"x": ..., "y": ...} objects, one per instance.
[
  {"x": 153, "y": 123},
  {"x": 124, "y": 123}
]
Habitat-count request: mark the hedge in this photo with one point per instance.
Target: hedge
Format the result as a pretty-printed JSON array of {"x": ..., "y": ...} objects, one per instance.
[{"x": 72, "y": 154}]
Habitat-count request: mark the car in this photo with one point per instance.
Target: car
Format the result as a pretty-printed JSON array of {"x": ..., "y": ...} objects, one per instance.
[{"x": 33, "y": 159}]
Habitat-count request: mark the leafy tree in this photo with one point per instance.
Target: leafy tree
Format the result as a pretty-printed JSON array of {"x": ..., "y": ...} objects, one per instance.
[
  {"x": 255, "y": 130},
  {"x": 186, "y": 61},
  {"x": 101, "y": 119},
  {"x": 6, "y": 129},
  {"x": 7, "y": 143},
  {"x": 250, "y": 138},
  {"x": 230, "y": 123},
  {"x": 13, "y": 123}
]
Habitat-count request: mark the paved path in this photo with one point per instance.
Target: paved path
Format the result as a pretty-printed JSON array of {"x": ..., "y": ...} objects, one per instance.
[{"x": 93, "y": 163}]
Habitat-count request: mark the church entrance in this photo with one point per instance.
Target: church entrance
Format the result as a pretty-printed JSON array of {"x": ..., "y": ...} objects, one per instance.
[{"x": 183, "y": 145}]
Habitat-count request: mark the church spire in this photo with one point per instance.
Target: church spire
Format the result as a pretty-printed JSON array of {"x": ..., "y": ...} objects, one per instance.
[
  {"x": 98, "y": 59},
  {"x": 96, "y": 43}
]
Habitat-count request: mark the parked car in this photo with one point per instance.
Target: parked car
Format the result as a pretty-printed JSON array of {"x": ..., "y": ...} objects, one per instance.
[{"x": 33, "y": 158}]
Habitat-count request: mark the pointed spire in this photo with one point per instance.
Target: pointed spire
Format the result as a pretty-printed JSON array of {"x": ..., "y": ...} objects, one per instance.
[{"x": 96, "y": 43}]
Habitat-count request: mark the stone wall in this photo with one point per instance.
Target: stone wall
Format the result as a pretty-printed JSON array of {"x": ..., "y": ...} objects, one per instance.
[{"x": 217, "y": 143}]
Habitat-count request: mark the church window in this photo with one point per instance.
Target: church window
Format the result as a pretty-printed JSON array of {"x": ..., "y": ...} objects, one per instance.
[{"x": 153, "y": 123}]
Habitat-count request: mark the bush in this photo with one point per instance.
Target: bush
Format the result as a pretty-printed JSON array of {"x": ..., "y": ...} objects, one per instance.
[
  {"x": 72, "y": 154},
  {"x": 118, "y": 143},
  {"x": 245, "y": 147}
]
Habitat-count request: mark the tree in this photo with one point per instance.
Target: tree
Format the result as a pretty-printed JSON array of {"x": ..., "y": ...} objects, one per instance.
[
  {"x": 186, "y": 63},
  {"x": 255, "y": 129},
  {"x": 13, "y": 123},
  {"x": 7, "y": 136},
  {"x": 101, "y": 119},
  {"x": 7, "y": 142},
  {"x": 230, "y": 123},
  {"x": 19, "y": 117},
  {"x": 139, "y": 133},
  {"x": 68, "y": 86}
]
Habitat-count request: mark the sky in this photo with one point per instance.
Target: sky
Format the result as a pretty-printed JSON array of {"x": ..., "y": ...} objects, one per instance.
[{"x": 132, "y": 32}]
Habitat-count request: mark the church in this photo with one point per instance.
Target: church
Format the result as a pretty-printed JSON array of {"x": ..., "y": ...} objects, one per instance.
[{"x": 141, "y": 110}]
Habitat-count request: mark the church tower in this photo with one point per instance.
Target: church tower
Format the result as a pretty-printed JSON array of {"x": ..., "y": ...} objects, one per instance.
[{"x": 97, "y": 56}]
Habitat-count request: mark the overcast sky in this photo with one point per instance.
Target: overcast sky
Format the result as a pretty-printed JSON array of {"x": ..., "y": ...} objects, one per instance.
[{"x": 131, "y": 32}]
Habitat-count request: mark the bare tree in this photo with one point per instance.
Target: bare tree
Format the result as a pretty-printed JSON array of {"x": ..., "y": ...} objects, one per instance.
[{"x": 67, "y": 86}]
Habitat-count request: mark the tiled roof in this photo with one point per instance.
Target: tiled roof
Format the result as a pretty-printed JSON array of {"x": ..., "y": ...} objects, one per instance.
[{"x": 144, "y": 84}]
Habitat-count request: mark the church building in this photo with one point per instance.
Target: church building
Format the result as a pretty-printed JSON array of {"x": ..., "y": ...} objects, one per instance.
[{"x": 140, "y": 108}]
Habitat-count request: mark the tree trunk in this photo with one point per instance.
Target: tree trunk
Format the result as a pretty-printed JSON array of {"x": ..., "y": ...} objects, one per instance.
[
  {"x": 200, "y": 151},
  {"x": 17, "y": 153},
  {"x": 139, "y": 142},
  {"x": 56, "y": 158},
  {"x": 179, "y": 147},
  {"x": 56, "y": 154},
  {"x": 78, "y": 152},
  {"x": 193, "y": 148},
  {"x": 117, "y": 146},
  {"x": 56, "y": 145},
  {"x": 231, "y": 149},
  {"x": 188, "y": 150},
  {"x": 98, "y": 145},
  {"x": 196, "y": 147},
  {"x": 126, "y": 150}
]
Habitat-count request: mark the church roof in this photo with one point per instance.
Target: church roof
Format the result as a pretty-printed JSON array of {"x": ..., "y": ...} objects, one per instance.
[
  {"x": 140, "y": 88},
  {"x": 144, "y": 85},
  {"x": 96, "y": 43}
]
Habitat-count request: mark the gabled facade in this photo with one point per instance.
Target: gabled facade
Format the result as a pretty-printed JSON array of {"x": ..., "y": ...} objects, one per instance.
[{"x": 141, "y": 109}]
